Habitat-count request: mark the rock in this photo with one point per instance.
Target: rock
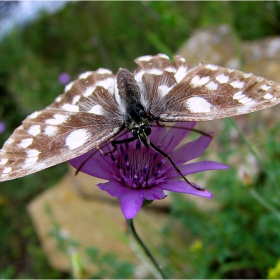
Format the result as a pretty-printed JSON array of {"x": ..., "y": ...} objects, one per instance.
[
  {"x": 262, "y": 57},
  {"x": 211, "y": 45},
  {"x": 92, "y": 218}
]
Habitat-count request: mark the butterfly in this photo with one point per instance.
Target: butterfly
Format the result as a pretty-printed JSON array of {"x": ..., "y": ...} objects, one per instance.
[{"x": 99, "y": 105}]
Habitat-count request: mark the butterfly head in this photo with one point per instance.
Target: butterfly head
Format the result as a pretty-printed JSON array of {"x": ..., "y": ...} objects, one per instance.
[{"x": 138, "y": 122}]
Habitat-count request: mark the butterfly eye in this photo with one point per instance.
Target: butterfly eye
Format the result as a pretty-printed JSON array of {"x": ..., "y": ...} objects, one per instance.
[
  {"x": 147, "y": 129},
  {"x": 134, "y": 132}
]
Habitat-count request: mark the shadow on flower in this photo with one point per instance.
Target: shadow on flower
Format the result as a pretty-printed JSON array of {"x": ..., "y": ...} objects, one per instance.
[{"x": 137, "y": 174}]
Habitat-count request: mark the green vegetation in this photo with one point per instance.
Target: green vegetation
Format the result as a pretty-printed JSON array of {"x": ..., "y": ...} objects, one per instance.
[{"x": 240, "y": 239}]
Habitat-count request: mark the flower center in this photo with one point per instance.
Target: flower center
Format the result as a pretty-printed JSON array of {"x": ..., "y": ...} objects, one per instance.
[{"x": 137, "y": 166}]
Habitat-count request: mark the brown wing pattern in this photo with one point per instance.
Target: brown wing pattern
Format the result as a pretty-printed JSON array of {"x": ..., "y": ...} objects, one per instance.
[
  {"x": 90, "y": 111},
  {"x": 205, "y": 92},
  {"x": 82, "y": 118},
  {"x": 156, "y": 76}
]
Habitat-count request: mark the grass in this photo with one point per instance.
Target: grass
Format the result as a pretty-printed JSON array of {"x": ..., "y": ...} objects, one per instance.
[{"x": 241, "y": 238}]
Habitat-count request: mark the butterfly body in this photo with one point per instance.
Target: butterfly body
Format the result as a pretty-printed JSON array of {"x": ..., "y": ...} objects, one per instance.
[
  {"x": 136, "y": 118},
  {"x": 98, "y": 105}
]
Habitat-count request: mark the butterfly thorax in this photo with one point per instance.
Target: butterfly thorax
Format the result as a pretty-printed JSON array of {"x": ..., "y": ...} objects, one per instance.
[{"x": 136, "y": 119}]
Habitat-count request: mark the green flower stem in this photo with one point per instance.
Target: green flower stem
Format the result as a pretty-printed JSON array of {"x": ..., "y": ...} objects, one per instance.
[
  {"x": 156, "y": 267},
  {"x": 264, "y": 203}
]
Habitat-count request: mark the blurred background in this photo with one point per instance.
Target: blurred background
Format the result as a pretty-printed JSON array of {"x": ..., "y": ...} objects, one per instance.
[{"x": 44, "y": 45}]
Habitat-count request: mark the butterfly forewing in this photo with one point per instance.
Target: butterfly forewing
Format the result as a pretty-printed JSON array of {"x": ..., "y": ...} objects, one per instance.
[{"x": 85, "y": 116}]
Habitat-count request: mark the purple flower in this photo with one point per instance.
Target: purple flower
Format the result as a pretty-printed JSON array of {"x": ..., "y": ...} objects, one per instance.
[
  {"x": 137, "y": 174},
  {"x": 64, "y": 78},
  {"x": 2, "y": 127}
]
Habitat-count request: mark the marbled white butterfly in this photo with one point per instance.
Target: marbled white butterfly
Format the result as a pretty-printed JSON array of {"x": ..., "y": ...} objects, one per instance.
[{"x": 98, "y": 105}]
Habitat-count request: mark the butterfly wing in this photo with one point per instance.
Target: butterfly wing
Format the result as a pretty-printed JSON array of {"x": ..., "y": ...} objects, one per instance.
[
  {"x": 205, "y": 92},
  {"x": 82, "y": 118}
]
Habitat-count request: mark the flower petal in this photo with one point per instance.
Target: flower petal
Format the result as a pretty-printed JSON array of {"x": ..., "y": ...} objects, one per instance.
[
  {"x": 158, "y": 133},
  {"x": 175, "y": 135},
  {"x": 191, "y": 150},
  {"x": 154, "y": 194},
  {"x": 112, "y": 188},
  {"x": 195, "y": 167},
  {"x": 94, "y": 165},
  {"x": 183, "y": 187},
  {"x": 131, "y": 202}
]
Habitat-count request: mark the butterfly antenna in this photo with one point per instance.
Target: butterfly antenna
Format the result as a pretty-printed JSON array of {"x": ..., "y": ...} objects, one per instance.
[
  {"x": 186, "y": 128},
  {"x": 175, "y": 166},
  {"x": 94, "y": 151},
  {"x": 86, "y": 159}
]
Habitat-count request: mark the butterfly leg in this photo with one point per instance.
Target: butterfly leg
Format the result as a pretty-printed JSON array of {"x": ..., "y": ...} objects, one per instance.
[
  {"x": 175, "y": 166},
  {"x": 118, "y": 142}
]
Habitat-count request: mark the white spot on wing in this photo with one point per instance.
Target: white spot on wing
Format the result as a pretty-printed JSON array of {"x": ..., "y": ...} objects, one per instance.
[
  {"x": 3, "y": 161},
  {"x": 89, "y": 91},
  {"x": 32, "y": 153},
  {"x": 181, "y": 73},
  {"x": 50, "y": 130},
  {"x": 247, "y": 75},
  {"x": 154, "y": 71},
  {"x": 163, "y": 90},
  {"x": 96, "y": 109},
  {"x": 69, "y": 86},
  {"x": 76, "y": 99},
  {"x": 9, "y": 141},
  {"x": 243, "y": 99},
  {"x": 104, "y": 71},
  {"x": 57, "y": 119},
  {"x": 222, "y": 79},
  {"x": 6, "y": 170},
  {"x": 198, "y": 105},
  {"x": 145, "y": 58},
  {"x": 34, "y": 130},
  {"x": 70, "y": 108},
  {"x": 108, "y": 84},
  {"x": 32, "y": 158},
  {"x": 162, "y": 55},
  {"x": 268, "y": 96},
  {"x": 212, "y": 86},
  {"x": 24, "y": 143},
  {"x": 34, "y": 115},
  {"x": 58, "y": 99},
  {"x": 85, "y": 75},
  {"x": 265, "y": 87},
  {"x": 197, "y": 81},
  {"x": 76, "y": 138},
  {"x": 211, "y": 67},
  {"x": 182, "y": 59},
  {"x": 170, "y": 69},
  {"x": 237, "y": 84},
  {"x": 138, "y": 76}
]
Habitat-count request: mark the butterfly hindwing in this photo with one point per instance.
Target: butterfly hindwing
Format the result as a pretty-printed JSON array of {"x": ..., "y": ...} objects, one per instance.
[
  {"x": 201, "y": 93},
  {"x": 156, "y": 76},
  {"x": 82, "y": 118}
]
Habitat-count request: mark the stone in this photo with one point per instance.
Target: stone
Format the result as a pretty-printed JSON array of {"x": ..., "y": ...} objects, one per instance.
[
  {"x": 93, "y": 218},
  {"x": 211, "y": 45}
]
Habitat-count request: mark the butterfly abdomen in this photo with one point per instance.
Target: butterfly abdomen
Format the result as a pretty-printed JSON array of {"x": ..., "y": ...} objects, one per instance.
[{"x": 129, "y": 90}]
